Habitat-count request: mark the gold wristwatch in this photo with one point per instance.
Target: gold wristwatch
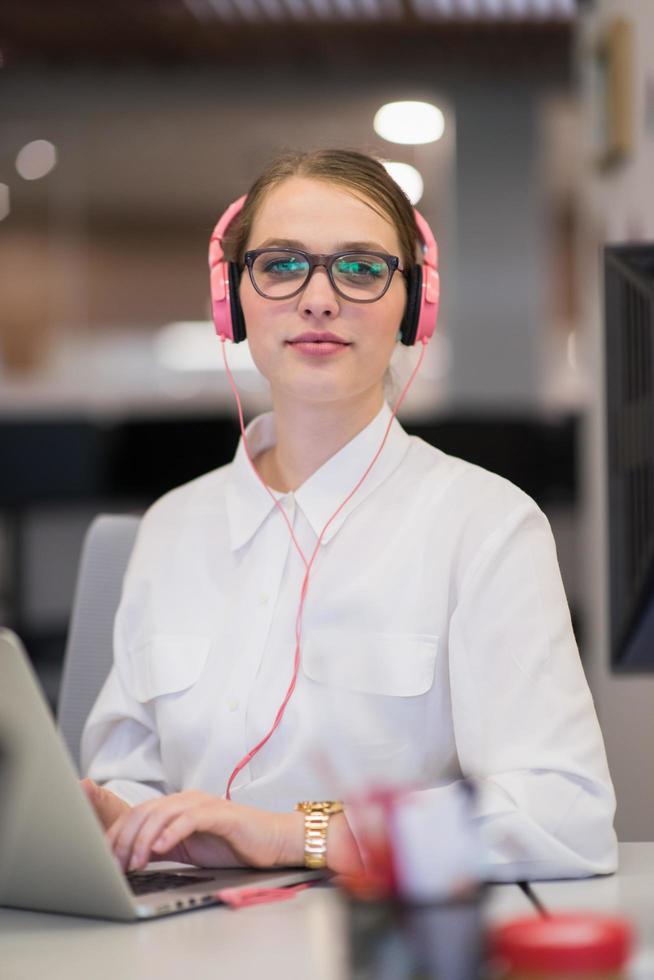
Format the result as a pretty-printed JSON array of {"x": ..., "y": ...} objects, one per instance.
[{"x": 316, "y": 822}]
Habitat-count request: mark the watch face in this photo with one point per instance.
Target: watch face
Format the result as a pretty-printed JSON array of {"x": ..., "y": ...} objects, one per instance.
[{"x": 322, "y": 806}]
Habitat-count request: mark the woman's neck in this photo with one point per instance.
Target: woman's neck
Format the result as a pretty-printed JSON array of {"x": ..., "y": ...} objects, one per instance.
[{"x": 310, "y": 434}]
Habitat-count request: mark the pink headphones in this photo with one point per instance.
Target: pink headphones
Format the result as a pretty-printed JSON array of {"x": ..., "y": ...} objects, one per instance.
[{"x": 423, "y": 286}]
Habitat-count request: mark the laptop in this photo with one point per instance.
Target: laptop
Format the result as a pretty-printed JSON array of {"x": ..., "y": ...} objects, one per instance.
[{"x": 53, "y": 853}]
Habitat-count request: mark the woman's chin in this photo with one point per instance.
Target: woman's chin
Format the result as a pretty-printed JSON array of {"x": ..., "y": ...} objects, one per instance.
[{"x": 325, "y": 391}]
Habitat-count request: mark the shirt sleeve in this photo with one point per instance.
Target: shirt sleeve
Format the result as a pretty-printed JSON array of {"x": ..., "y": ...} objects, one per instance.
[
  {"x": 120, "y": 743},
  {"x": 524, "y": 721}
]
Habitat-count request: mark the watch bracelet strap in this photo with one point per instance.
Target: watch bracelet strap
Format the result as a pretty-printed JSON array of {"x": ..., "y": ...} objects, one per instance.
[
  {"x": 316, "y": 822},
  {"x": 315, "y": 838}
]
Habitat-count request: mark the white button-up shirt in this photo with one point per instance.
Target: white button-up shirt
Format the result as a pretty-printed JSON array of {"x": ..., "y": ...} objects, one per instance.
[{"x": 436, "y": 643}]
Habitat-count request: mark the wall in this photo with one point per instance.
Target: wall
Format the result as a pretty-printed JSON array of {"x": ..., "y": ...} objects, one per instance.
[
  {"x": 144, "y": 160},
  {"x": 616, "y": 205}
]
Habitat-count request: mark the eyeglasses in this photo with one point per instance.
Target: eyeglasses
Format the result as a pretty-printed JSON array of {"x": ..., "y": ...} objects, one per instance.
[{"x": 361, "y": 277}]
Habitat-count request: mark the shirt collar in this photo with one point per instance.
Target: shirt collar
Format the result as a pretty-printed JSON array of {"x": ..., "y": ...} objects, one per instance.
[{"x": 248, "y": 503}]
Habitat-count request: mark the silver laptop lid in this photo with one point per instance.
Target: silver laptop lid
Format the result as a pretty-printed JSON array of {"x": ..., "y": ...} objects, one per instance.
[{"x": 53, "y": 853}]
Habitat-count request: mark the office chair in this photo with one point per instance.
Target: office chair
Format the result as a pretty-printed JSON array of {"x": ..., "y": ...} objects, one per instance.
[{"x": 89, "y": 650}]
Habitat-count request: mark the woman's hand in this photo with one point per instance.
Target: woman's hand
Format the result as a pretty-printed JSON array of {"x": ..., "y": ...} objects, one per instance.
[
  {"x": 108, "y": 807},
  {"x": 194, "y": 827},
  {"x": 197, "y": 828}
]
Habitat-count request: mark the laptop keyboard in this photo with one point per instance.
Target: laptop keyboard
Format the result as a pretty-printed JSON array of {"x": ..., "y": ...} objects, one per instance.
[{"x": 144, "y": 882}]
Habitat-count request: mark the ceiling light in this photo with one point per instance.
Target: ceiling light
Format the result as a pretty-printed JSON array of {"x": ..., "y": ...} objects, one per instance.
[
  {"x": 409, "y": 179},
  {"x": 36, "y": 159},
  {"x": 409, "y": 122}
]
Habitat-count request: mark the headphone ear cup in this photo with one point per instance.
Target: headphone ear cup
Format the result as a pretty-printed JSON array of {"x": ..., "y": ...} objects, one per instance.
[
  {"x": 409, "y": 325},
  {"x": 236, "y": 310}
]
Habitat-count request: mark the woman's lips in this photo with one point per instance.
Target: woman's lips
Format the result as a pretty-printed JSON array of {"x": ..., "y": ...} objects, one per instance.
[{"x": 319, "y": 346}]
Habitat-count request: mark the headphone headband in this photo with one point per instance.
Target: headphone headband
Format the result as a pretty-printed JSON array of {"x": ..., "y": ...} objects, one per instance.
[
  {"x": 226, "y": 219},
  {"x": 430, "y": 248}
]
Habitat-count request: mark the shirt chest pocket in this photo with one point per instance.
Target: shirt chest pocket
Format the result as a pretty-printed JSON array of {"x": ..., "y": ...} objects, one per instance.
[
  {"x": 398, "y": 665},
  {"x": 167, "y": 665},
  {"x": 168, "y": 675},
  {"x": 373, "y": 694}
]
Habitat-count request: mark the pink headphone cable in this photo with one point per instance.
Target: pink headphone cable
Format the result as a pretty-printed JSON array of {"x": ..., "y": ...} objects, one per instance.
[{"x": 307, "y": 564}]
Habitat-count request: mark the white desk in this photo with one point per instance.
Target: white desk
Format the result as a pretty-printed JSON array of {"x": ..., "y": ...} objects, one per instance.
[
  {"x": 303, "y": 937},
  {"x": 629, "y": 893},
  {"x": 291, "y": 940}
]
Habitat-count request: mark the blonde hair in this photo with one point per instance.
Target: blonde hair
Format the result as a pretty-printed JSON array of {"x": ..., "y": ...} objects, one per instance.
[{"x": 351, "y": 169}]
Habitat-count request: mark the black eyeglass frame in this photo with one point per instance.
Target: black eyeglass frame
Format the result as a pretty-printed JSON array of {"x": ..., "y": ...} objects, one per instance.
[{"x": 326, "y": 262}]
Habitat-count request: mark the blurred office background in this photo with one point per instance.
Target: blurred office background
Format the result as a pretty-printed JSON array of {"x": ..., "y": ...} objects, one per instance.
[{"x": 127, "y": 128}]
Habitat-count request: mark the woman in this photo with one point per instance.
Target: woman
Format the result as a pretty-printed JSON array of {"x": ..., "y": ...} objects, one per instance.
[{"x": 435, "y": 596}]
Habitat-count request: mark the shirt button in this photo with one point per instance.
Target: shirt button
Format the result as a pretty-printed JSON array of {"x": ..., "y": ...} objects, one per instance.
[
  {"x": 263, "y": 598},
  {"x": 232, "y": 704}
]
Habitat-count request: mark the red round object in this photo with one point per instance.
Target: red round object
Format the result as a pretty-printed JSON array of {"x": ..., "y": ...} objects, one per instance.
[{"x": 563, "y": 942}]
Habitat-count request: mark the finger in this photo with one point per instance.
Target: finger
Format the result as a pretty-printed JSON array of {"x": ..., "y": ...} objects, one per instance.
[
  {"x": 190, "y": 802},
  {"x": 101, "y": 801},
  {"x": 106, "y": 805},
  {"x": 91, "y": 790},
  {"x": 152, "y": 828},
  {"x": 137, "y": 811},
  {"x": 132, "y": 840},
  {"x": 206, "y": 818},
  {"x": 181, "y": 827},
  {"x": 124, "y": 830}
]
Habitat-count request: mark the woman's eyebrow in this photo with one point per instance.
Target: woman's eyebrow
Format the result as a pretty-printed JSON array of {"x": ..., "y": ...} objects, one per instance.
[{"x": 340, "y": 246}]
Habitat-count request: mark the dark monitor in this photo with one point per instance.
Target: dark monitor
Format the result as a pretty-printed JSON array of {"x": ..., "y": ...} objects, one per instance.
[{"x": 629, "y": 331}]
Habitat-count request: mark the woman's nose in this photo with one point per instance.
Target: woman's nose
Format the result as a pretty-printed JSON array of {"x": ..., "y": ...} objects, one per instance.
[{"x": 318, "y": 298}]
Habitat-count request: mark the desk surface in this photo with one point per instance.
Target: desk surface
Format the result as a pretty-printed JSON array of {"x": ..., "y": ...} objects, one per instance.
[
  {"x": 630, "y": 893},
  {"x": 295, "y": 939}
]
